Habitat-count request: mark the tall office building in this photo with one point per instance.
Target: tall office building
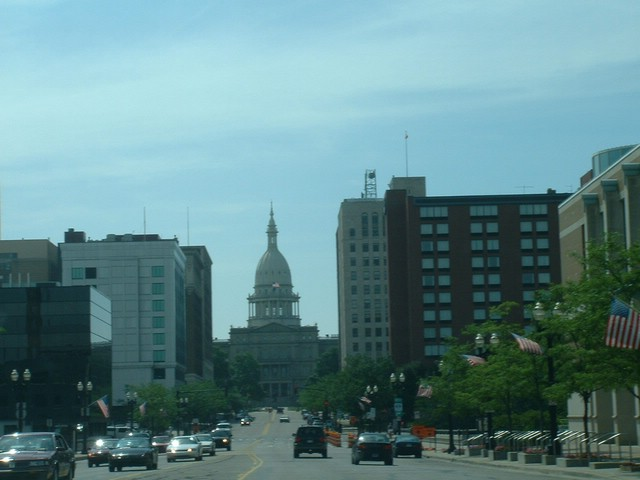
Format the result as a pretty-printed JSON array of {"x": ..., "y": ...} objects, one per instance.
[
  {"x": 25, "y": 263},
  {"x": 608, "y": 201},
  {"x": 144, "y": 276},
  {"x": 361, "y": 247},
  {"x": 450, "y": 259}
]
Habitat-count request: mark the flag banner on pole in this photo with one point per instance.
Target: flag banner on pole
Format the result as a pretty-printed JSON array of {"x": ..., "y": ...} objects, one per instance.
[
  {"x": 623, "y": 328},
  {"x": 143, "y": 409},
  {"x": 526, "y": 345},
  {"x": 103, "y": 404},
  {"x": 425, "y": 392},
  {"x": 474, "y": 360}
]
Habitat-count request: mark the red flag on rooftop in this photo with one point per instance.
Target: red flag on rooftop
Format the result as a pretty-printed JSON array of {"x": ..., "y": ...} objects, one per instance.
[
  {"x": 623, "y": 328},
  {"x": 527, "y": 345}
]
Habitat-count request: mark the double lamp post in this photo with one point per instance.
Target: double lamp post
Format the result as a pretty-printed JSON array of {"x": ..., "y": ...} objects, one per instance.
[{"x": 20, "y": 383}]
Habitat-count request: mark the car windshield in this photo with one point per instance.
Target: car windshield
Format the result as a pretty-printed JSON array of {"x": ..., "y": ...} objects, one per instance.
[
  {"x": 220, "y": 433},
  {"x": 160, "y": 439},
  {"x": 183, "y": 440},
  {"x": 133, "y": 442},
  {"x": 204, "y": 438},
  {"x": 33, "y": 443},
  {"x": 106, "y": 443},
  {"x": 373, "y": 438}
]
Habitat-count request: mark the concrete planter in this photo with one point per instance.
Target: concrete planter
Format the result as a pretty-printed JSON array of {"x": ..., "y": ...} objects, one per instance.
[
  {"x": 529, "y": 457},
  {"x": 512, "y": 456},
  {"x": 474, "y": 452},
  {"x": 497, "y": 454},
  {"x": 572, "y": 462},
  {"x": 630, "y": 467},
  {"x": 549, "y": 459}
]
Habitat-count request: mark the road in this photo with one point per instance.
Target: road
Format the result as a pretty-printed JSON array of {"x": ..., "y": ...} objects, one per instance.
[{"x": 263, "y": 451}]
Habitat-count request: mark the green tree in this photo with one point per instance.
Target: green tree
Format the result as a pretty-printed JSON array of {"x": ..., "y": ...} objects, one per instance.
[
  {"x": 159, "y": 408},
  {"x": 245, "y": 374}
]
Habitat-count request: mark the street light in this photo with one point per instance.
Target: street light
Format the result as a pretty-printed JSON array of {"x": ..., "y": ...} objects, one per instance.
[
  {"x": 371, "y": 392},
  {"x": 539, "y": 314},
  {"x": 183, "y": 403},
  {"x": 482, "y": 349},
  {"x": 20, "y": 386},
  {"x": 85, "y": 411},
  {"x": 444, "y": 370},
  {"x": 397, "y": 383},
  {"x": 132, "y": 400}
]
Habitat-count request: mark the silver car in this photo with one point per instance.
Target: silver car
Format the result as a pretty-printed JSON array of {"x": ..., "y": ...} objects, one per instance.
[
  {"x": 206, "y": 440},
  {"x": 186, "y": 446}
]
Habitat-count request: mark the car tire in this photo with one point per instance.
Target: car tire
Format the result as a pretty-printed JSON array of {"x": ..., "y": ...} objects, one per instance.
[
  {"x": 112, "y": 468},
  {"x": 419, "y": 455},
  {"x": 119, "y": 469},
  {"x": 199, "y": 459},
  {"x": 324, "y": 454},
  {"x": 389, "y": 462},
  {"x": 228, "y": 449}
]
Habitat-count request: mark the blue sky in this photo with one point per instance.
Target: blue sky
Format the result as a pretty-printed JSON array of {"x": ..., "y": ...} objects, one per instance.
[{"x": 190, "y": 117}]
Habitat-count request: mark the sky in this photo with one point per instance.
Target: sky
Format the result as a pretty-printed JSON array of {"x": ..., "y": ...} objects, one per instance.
[{"x": 190, "y": 118}]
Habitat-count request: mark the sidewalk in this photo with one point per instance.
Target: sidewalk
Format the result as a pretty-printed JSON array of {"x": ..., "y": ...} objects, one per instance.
[{"x": 593, "y": 470}]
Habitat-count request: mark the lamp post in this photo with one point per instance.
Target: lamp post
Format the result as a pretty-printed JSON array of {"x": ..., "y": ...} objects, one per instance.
[
  {"x": 20, "y": 383},
  {"x": 132, "y": 400},
  {"x": 371, "y": 393},
  {"x": 84, "y": 390},
  {"x": 183, "y": 404},
  {"x": 446, "y": 371},
  {"x": 539, "y": 314},
  {"x": 482, "y": 350},
  {"x": 397, "y": 383}
]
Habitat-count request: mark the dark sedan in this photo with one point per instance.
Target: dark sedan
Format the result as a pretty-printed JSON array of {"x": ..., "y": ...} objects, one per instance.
[
  {"x": 161, "y": 442},
  {"x": 372, "y": 447},
  {"x": 133, "y": 452},
  {"x": 44, "y": 455},
  {"x": 407, "y": 445},
  {"x": 98, "y": 453},
  {"x": 222, "y": 438}
]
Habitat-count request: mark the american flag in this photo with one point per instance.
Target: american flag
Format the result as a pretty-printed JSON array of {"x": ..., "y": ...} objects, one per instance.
[
  {"x": 103, "y": 404},
  {"x": 623, "y": 329},
  {"x": 365, "y": 400},
  {"x": 527, "y": 345},
  {"x": 143, "y": 409},
  {"x": 275, "y": 285},
  {"x": 474, "y": 360},
  {"x": 425, "y": 392}
]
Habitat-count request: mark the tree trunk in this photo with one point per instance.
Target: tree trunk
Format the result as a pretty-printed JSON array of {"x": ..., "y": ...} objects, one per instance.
[{"x": 585, "y": 421}]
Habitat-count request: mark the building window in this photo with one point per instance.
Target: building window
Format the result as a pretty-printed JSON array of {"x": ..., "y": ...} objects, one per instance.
[
  {"x": 526, "y": 261},
  {"x": 477, "y": 279},
  {"x": 442, "y": 229},
  {"x": 542, "y": 226},
  {"x": 354, "y": 333},
  {"x": 378, "y": 332},
  {"x": 428, "y": 298},
  {"x": 365, "y": 225},
  {"x": 443, "y": 245},
  {"x": 544, "y": 278},
  {"x": 354, "y": 275},
  {"x": 434, "y": 212},
  {"x": 352, "y": 232},
  {"x": 446, "y": 315},
  {"x": 159, "y": 374},
  {"x": 526, "y": 244},
  {"x": 492, "y": 227},
  {"x": 495, "y": 297},
  {"x": 493, "y": 245},
  {"x": 426, "y": 229},
  {"x": 543, "y": 260},
  {"x": 352, "y": 248},
  {"x": 542, "y": 243},
  {"x": 528, "y": 296},
  {"x": 427, "y": 263},
  {"x": 355, "y": 347},
  {"x": 446, "y": 332},
  {"x": 352, "y": 261},
  {"x": 535, "y": 209},
  {"x": 91, "y": 272},
  {"x": 493, "y": 262},
  {"x": 367, "y": 347},
  {"x": 77, "y": 273},
  {"x": 426, "y": 246},
  {"x": 528, "y": 278},
  {"x": 494, "y": 278},
  {"x": 375, "y": 247},
  {"x": 159, "y": 355},
  {"x": 444, "y": 280},
  {"x": 365, "y": 248},
  {"x": 354, "y": 318},
  {"x": 157, "y": 271},
  {"x": 158, "y": 338},
  {"x": 477, "y": 245},
  {"x": 477, "y": 262},
  {"x": 444, "y": 297},
  {"x": 428, "y": 281},
  {"x": 526, "y": 227},
  {"x": 157, "y": 305},
  {"x": 429, "y": 315},
  {"x": 375, "y": 225},
  {"x": 478, "y": 297},
  {"x": 476, "y": 228},
  {"x": 429, "y": 333},
  {"x": 157, "y": 288},
  {"x": 479, "y": 314},
  {"x": 444, "y": 263},
  {"x": 483, "y": 210},
  {"x": 354, "y": 289},
  {"x": 157, "y": 322}
]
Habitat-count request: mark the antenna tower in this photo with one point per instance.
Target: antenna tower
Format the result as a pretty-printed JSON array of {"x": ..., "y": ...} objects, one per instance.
[{"x": 370, "y": 184}]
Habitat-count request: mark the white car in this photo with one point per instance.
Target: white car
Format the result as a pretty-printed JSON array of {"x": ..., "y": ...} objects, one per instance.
[
  {"x": 186, "y": 446},
  {"x": 206, "y": 440},
  {"x": 223, "y": 426}
]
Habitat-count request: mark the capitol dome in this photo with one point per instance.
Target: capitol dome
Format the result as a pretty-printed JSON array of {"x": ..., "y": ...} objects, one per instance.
[{"x": 272, "y": 269}]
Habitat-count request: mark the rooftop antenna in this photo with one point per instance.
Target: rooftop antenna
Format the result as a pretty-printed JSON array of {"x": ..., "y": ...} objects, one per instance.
[
  {"x": 370, "y": 184},
  {"x": 524, "y": 188},
  {"x": 188, "y": 229},
  {"x": 144, "y": 222},
  {"x": 406, "y": 152}
]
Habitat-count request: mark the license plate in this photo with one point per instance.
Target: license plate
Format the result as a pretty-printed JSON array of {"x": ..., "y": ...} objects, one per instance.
[
  {"x": 309, "y": 441},
  {"x": 374, "y": 455}
]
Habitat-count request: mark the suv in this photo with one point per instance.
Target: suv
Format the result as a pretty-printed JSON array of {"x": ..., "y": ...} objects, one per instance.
[{"x": 309, "y": 439}]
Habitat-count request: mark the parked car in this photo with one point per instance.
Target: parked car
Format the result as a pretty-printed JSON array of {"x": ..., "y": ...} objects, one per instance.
[
  {"x": 35, "y": 455},
  {"x": 133, "y": 451},
  {"x": 98, "y": 452},
  {"x": 161, "y": 442},
  {"x": 309, "y": 439},
  {"x": 407, "y": 445},
  {"x": 222, "y": 438},
  {"x": 373, "y": 447},
  {"x": 184, "y": 446},
  {"x": 206, "y": 440},
  {"x": 284, "y": 419}
]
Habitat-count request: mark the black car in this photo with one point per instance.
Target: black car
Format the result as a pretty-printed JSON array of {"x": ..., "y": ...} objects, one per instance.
[
  {"x": 407, "y": 445},
  {"x": 222, "y": 438},
  {"x": 161, "y": 442},
  {"x": 36, "y": 455},
  {"x": 98, "y": 452},
  {"x": 372, "y": 447},
  {"x": 309, "y": 439},
  {"x": 133, "y": 452}
]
